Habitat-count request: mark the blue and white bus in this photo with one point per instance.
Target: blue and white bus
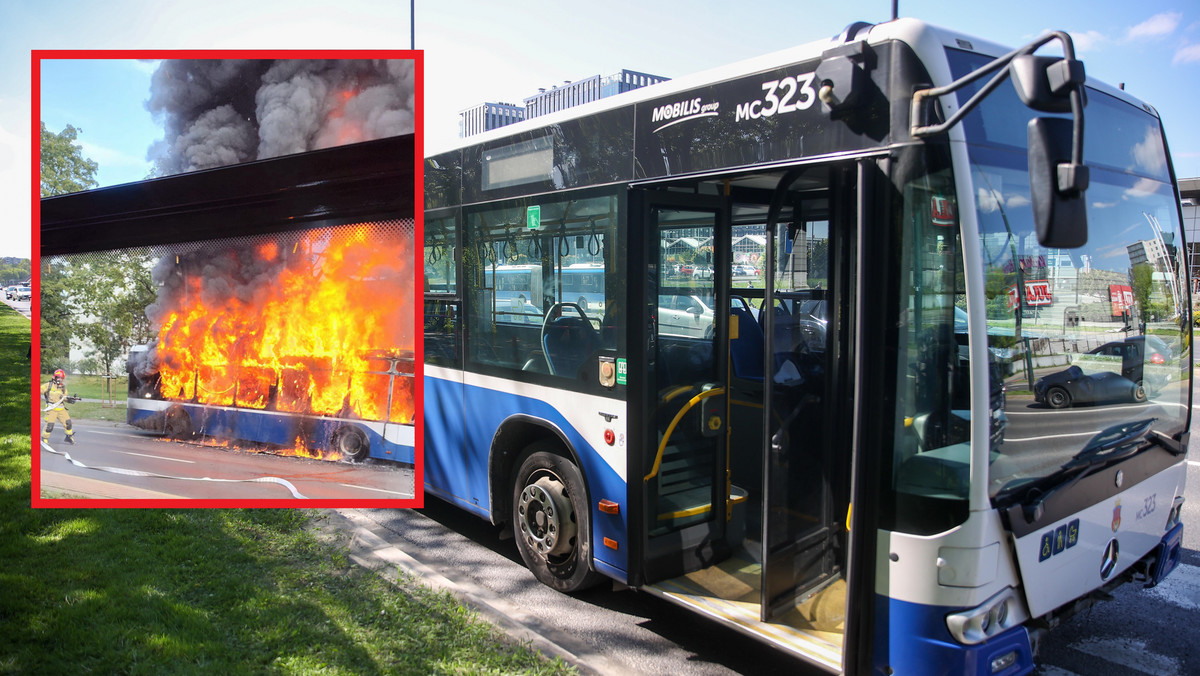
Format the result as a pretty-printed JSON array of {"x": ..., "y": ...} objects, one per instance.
[
  {"x": 882, "y": 495},
  {"x": 269, "y": 408}
]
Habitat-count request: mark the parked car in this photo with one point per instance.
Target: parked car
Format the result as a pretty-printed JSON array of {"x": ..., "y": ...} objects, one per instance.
[
  {"x": 702, "y": 273},
  {"x": 685, "y": 316}
]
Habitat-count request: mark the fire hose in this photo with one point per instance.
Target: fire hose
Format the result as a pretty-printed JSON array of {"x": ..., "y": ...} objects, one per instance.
[{"x": 133, "y": 472}]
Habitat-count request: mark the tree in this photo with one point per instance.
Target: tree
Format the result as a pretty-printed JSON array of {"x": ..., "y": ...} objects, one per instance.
[
  {"x": 64, "y": 168},
  {"x": 109, "y": 293},
  {"x": 1142, "y": 281}
]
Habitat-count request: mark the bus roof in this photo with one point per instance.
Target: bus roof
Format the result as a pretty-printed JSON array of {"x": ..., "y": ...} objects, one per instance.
[{"x": 913, "y": 32}]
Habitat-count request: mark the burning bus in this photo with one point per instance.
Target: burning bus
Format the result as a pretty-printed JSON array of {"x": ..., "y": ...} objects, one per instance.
[{"x": 283, "y": 312}]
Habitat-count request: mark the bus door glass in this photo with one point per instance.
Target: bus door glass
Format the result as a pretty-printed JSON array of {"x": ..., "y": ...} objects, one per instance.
[
  {"x": 685, "y": 478},
  {"x": 804, "y": 482}
]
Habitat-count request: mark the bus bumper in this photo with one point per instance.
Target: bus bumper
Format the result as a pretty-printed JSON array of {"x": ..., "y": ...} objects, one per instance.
[
  {"x": 1166, "y": 555},
  {"x": 913, "y": 639}
]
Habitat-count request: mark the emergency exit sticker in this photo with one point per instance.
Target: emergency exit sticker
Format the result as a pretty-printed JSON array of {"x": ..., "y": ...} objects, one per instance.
[
  {"x": 622, "y": 371},
  {"x": 533, "y": 217}
]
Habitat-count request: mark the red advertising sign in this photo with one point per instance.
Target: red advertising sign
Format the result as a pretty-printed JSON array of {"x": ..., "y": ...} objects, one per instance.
[
  {"x": 1122, "y": 299},
  {"x": 1037, "y": 292},
  {"x": 941, "y": 209}
]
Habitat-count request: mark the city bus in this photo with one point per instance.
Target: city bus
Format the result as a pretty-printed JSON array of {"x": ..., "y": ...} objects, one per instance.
[
  {"x": 274, "y": 407},
  {"x": 884, "y": 495}
]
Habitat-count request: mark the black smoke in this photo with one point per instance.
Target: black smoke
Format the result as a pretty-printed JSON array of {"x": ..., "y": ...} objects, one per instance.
[{"x": 217, "y": 112}]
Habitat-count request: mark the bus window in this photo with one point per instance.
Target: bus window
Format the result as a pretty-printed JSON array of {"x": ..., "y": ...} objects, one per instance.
[
  {"x": 931, "y": 457},
  {"x": 442, "y": 346},
  {"x": 537, "y": 297},
  {"x": 440, "y": 236}
]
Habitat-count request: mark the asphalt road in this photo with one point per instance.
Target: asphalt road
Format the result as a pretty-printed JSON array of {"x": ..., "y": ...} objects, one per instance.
[
  {"x": 114, "y": 454},
  {"x": 21, "y": 306}
]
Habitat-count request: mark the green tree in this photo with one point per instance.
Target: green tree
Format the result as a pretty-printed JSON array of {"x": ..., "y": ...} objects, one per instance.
[
  {"x": 1142, "y": 281},
  {"x": 64, "y": 168},
  {"x": 55, "y": 324},
  {"x": 108, "y": 294}
]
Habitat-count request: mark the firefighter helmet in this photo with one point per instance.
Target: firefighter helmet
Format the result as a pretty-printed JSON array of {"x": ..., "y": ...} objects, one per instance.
[{"x": 60, "y": 374}]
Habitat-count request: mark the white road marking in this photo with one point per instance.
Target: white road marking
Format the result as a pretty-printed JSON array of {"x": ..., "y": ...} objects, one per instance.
[
  {"x": 157, "y": 457},
  {"x": 1130, "y": 654},
  {"x": 378, "y": 490},
  {"x": 1182, "y": 587},
  {"x": 1193, "y": 462}
]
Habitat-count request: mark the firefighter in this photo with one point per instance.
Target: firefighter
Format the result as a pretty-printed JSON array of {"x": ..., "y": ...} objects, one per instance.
[{"x": 55, "y": 395}]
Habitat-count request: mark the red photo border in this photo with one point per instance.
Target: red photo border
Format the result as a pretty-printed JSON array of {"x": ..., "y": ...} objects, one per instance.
[{"x": 418, "y": 57}]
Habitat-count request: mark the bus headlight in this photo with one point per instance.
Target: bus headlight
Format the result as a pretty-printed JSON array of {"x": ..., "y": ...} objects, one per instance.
[{"x": 985, "y": 620}]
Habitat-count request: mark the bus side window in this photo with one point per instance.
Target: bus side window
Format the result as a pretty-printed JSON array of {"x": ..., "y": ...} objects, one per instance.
[{"x": 442, "y": 346}]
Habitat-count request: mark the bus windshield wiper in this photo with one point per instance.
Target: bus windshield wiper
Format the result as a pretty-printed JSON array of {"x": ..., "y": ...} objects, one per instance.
[{"x": 1111, "y": 443}]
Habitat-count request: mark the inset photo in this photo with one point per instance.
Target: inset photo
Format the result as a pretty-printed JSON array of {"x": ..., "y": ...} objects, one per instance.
[{"x": 228, "y": 318}]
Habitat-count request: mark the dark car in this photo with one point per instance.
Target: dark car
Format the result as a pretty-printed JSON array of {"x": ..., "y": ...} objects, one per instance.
[
  {"x": 1135, "y": 353},
  {"x": 1073, "y": 386}
]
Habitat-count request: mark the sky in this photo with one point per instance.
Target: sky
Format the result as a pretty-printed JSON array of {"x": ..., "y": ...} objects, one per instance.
[{"x": 481, "y": 50}]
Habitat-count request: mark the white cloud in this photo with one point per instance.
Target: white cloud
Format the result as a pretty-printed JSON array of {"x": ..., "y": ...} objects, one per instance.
[
  {"x": 987, "y": 201},
  {"x": 1188, "y": 54},
  {"x": 1087, "y": 41},
  {"x": 1155, "y": 27},
  {"x": 1148, "y": 154}
]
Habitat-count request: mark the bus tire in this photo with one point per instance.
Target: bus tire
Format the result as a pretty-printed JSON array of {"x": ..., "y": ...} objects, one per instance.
[
  {"x": 177, "y": 423},
  {"x": 351, "y": 443},
  {"x": 1139, "y": 392},
  {"x": 551, "y": 521},
  {"x": 583, "y": 304}
]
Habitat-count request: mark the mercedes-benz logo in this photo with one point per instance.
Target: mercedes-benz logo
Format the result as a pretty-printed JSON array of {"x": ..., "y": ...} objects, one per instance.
[{"x": 1108, "y": 562}]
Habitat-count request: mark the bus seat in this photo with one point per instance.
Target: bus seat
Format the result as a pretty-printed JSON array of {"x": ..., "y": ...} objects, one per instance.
[
  {"x": 567, "y": 342},
  {"x": 746, "y": 350}
]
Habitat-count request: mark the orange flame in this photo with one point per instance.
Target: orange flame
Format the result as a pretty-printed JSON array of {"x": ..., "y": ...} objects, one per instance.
[{"x": 321, "y": 337}]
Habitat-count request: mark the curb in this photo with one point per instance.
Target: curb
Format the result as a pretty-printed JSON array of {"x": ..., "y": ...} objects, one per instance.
[{"x": 369, "y": 547}]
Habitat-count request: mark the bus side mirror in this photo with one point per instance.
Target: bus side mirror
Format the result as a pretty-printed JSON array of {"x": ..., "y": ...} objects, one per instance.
[
  {"x": 1056, "y": 186},
  {"x": 1044, "y": 83}
]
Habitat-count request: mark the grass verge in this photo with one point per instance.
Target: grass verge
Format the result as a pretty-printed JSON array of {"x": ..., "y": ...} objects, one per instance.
[{"x": 150, "y": 591}]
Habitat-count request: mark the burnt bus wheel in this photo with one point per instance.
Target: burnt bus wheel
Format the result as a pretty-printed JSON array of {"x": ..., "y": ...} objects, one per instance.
[
  {"x": 351, "y": 443},
  {"x": 177, "y": 423},
  {"x": 551, "y": 520}
]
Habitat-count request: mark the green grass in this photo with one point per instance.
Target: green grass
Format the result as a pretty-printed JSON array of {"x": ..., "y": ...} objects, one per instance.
[
  {"x": 94, "y": 410},
  {"x": 152, "y": 591},
  {"x": 93, "y": 387}
]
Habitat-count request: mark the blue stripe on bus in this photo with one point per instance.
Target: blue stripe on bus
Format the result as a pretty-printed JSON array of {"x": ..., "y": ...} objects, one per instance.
[
  {"x": 912, "y": 638},
  {"x": 281, "y": 429},
  {"x": 456, "y": 457}
]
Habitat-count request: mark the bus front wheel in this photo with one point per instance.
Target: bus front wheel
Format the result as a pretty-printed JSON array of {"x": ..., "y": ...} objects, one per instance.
[
  {"x": 351, "y": 443},
  {"x": 550, "y": 520},
  {"x": 177, "y": 423}
]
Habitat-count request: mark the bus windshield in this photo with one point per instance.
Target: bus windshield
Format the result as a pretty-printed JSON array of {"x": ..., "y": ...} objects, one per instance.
[{"x": 1083, "y": 339}]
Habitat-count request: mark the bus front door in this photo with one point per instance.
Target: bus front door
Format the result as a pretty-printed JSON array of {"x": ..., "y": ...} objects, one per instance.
[
  {"x": 685, "y": 479},
  {"x": 805, "y": 483}
]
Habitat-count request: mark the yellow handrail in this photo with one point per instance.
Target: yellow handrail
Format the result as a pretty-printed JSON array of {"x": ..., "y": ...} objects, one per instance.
[{"x": 662, "y": 446}]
